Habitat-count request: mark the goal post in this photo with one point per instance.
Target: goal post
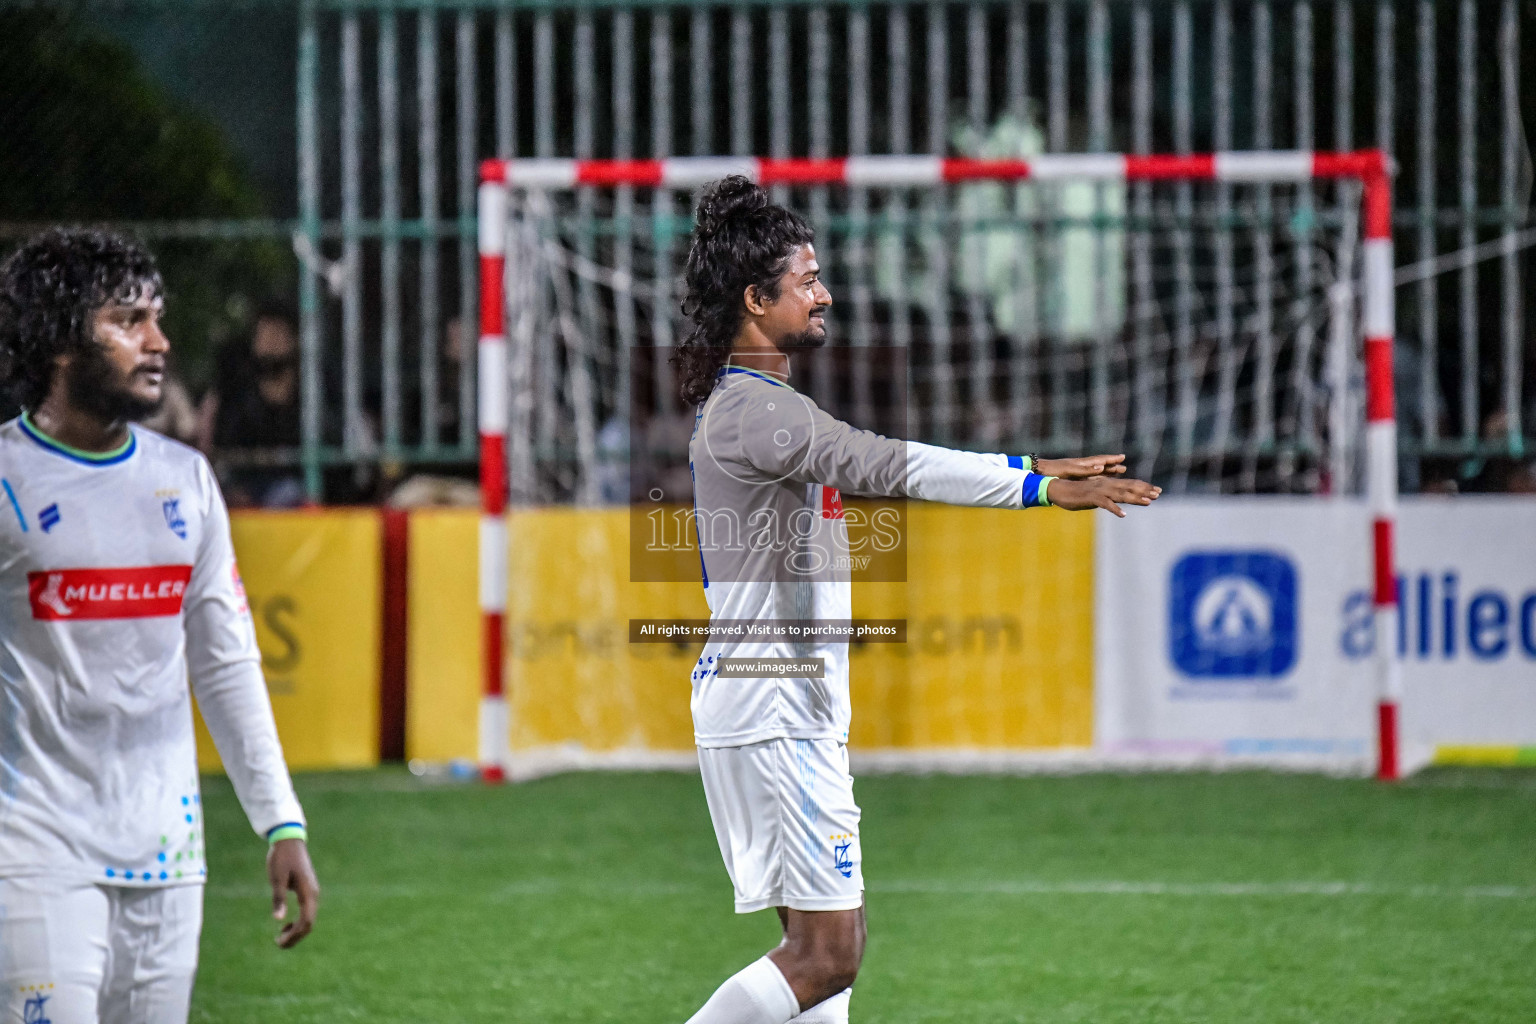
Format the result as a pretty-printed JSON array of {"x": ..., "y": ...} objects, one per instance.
[{"x": 504, "y": 183}]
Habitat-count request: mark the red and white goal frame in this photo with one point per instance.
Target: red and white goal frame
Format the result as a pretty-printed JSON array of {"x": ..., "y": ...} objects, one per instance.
[{"x": 1369, "y": 167}]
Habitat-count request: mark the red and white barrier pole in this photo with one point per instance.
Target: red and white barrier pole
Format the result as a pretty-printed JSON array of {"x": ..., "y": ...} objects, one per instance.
[
  {"x": 694, "y": 171},
  {"x": 492, "y": 361},
  {"x": 1381, "y": 465}
]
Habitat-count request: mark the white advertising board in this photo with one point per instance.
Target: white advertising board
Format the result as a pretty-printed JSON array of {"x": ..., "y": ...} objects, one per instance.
[{"x": 1238, "y": 630}]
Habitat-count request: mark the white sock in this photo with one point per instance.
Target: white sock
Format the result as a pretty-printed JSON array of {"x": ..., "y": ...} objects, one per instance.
[
  {"x": 828, "y": 1011},
  {"x": 756, "y": 994}
]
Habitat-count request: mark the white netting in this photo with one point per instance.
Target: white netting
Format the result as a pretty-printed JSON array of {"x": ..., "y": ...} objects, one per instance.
[{"x": 1208, "y": 331}]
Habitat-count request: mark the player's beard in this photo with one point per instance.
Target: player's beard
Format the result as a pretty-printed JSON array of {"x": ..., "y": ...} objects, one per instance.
[
  {"x": 811, "y": 337},
  {"x": 98, "y": 388}
]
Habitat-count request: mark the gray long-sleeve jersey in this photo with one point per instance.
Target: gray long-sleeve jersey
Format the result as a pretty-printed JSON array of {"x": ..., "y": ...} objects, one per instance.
[{"x": 769, "y": 468}]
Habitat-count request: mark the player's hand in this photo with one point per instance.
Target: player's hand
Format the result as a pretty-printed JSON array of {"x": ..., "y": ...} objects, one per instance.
[
  {"x": 1101, "y": 492},
  {"x": 1082, "y": 468},
  {"x": 289, "y": 870}
]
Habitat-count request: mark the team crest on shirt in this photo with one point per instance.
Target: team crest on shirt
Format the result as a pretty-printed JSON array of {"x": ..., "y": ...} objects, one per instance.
[
  {"x": 173, "y": 518},
  {"x": 49, "y": 517},
  {"x": 842, "y": 860},
  {"x": 35, "y": 1009}
]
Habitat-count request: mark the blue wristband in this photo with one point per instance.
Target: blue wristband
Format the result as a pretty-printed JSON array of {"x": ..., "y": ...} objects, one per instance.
[
  {"x": 1024, "y": 462},
  {"x": 1034, "y": 489},
  {"x": 1045, "y": 483},
  {"x": 287, "y": 830}
]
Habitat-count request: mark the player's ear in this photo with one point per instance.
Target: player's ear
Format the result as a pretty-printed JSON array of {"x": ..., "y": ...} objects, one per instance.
[{"x": 753, "y": 300}]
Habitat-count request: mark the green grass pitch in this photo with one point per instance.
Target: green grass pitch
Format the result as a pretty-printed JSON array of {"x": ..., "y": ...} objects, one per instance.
[{"x": 588, "y": 898}]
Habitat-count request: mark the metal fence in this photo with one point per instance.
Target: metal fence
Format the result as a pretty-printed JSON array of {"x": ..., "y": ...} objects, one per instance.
[
  {"x": 818, "y": 79},
  {"x": 397, "y": 101}
]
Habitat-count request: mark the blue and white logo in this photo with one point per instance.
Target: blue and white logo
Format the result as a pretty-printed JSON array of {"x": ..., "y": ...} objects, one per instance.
[
  {"x": 841, "y": 860},
  {"x": 173, "y": 519},
  {"x": 48, "y": 518},
  {"x": 35, "y": 1011},
  {"x": 1232, "y": 615}
]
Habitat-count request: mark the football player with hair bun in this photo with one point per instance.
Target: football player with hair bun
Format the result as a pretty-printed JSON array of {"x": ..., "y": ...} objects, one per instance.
[
  {"x": 767, "y": 461},
  {"x": 118, "y": 586}
]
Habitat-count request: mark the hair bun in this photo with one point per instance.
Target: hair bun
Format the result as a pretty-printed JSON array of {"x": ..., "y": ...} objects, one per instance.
[{"x": 729, "y": 198}]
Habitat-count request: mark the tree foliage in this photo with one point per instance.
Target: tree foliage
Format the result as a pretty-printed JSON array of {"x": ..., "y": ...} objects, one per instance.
[{"x": 88, "y": 136}]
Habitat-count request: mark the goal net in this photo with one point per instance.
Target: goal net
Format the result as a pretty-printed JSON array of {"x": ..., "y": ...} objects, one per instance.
[{"x": 1203, "y": 315}]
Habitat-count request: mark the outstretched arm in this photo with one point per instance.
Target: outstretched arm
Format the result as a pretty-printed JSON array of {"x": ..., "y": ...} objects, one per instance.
[
  {"x": 1083, "y": 467},
  {"x": 1108, "y": 493},
  {"x": 224, "y": 666},
  {"x": 1077, "y": 468},
  {"x": 787, "y": 435}
]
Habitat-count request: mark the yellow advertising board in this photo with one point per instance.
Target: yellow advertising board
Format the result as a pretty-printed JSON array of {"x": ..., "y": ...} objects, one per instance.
[
  {"x": 999, "y": 607},
  {"x": 442, "y": 695},
  {"x": 572, "y": 676},
  {"x": 999, "y": 651},
  {"x": 313, "y": 582}
]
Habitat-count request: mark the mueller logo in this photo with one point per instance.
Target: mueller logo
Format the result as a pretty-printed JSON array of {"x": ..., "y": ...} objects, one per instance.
[
  {"x": 1232, "y": 615},
  {"x": 141, "y": 592},
  {"x": 831, "y": 503}
]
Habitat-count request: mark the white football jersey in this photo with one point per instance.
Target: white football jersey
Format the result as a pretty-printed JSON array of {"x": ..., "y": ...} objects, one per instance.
[
  {"x": 118, "y": 582},
  {"x": 769, "y": 469}
]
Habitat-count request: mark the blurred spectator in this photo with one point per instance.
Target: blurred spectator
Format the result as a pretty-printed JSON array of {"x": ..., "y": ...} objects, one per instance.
[
  {"x": 1442, "y": 485},
  {"x": 426, "y": 490},
  {"x": 1498, "y": 474},
  {"x": 449, "y": 363},
  {"x": 253, "y": 408},
  {"x": 177, "y": 417},
  {"x": 613, "y": 461},
  {"x": 448, "y": 418},
  {"x": 441, "y": 484},
  {"x": 1523, "y": 479},
  {"x": 659, "y": 470}
]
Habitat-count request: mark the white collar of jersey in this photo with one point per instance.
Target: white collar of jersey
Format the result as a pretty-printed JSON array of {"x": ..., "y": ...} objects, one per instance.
[
  {"x": 728, "y": 368},
  {"x": 81, "y": 456}
]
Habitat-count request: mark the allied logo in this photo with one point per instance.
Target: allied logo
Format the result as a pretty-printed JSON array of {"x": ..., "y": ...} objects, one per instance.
[
  {"x": 128, "y": 593},
  {"x": 48, "y": 518},
  {"x": 173, "y": 518},
  {"x": 1233, "y": 615}
]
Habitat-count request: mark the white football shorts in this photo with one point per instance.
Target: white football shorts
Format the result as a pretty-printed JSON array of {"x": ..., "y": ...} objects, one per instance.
[
  {"x": 787, "y": 825},
  {"x": 80, "y": 953}
]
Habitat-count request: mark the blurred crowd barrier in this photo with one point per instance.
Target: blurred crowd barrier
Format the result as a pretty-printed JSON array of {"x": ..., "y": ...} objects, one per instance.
[
  {"x": 314, "y": 582},
  {"x": 1241, "y": 630},
  {"x": 998, "y": 609},
  {"x": 1201, "y": 632}
]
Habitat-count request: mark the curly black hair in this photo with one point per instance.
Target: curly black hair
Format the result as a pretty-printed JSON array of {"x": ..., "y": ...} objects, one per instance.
[
  {"x": 740, "y": 239},
  {"x": 50, "y": 289}
]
